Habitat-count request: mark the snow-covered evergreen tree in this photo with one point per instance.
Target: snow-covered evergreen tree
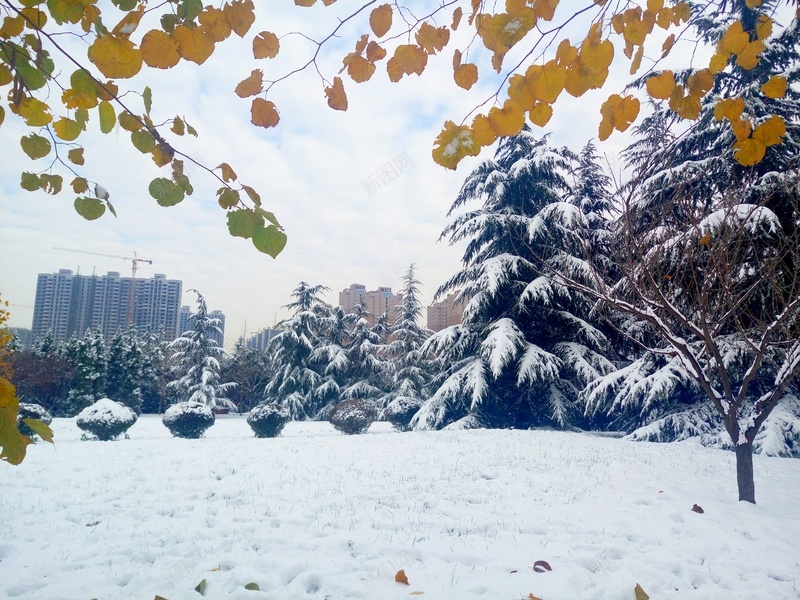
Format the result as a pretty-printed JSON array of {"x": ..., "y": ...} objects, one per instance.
[
  {"x": 156, "y": 372},
  {"x": 525, "y": 346},
  {"x": 196, "y": 362},
  {"x": 410, "y": 370},
  {"x": 124, "y": 371},
  {"x": 365, "y": 376},
  {"x": 249, "y": 369},
  {"x": 296, "y": 376},
  {"x": 88, "y": 358}
]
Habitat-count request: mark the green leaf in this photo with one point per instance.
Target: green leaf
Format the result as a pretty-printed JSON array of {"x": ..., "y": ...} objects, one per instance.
[
  {"x": 30, "y": 182},
  {"x": 269, "y": 240},
  {"x": 82, "y": 81},
  {"x": 111, "y": 208},
  {"x": 228, "y": 198},
  {"x": 252, "y": 586},
  {"x": 190, "y": 130},
  {"x": 89, "y": 208},
  {"x": 169, "y": 21},
  {"x": 2, "y": 115},
  {"x": 70, "y": 12},
  {"x": 75, "y": 156},
  {"x": 165, "y": 191},
  {"x": 32, "y": 77},
  {"x": 79, "y": 185},
  {"x": 186, "y": 185},
  {"x": 108, "y": 118},
  {"x": 82, "y": 117},
  {"x": 52, "y": 183},
  {"x": 201, "y": 588},
  {"x": 125, "y": 5},
  {"x": 147, "y": 95},
  {"x": 243, "y": 223},
  {"x": 40, "y": 428},
  {"x": 35, "y": 146},
  {"x": 189, "y": 9},
  {"x": 143, "y": 141},
  {"x": 268, "y": 216}
]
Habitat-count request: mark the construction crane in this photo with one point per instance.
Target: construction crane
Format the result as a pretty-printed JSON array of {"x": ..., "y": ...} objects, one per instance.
[{"x": 134, "y": 267}]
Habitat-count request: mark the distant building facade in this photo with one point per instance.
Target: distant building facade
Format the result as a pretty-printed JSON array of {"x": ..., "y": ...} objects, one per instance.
[
  {"x": 445, "y": 313},
  {"x": 260, "y": 339},
  {"x": 69, "y": 304},
  {"x": 378, "y": 301}
]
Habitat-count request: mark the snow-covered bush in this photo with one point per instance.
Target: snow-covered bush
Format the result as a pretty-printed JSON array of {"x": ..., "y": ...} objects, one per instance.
[
  {"x": 401, "y": 410},
  {"x": 353, "y": 416},
  {"x": 267, "y": 420},
  {"x": 106, "y": 419},
  {"x": 32, "y": 411},
  {"x": 188, "y": 419}
]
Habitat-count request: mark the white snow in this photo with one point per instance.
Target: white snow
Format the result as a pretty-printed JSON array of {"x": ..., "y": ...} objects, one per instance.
[{"x": 319, "y": 515}]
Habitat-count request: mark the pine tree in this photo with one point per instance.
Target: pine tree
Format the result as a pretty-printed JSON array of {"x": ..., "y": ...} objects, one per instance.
[
  {"x": 365, "y": 377},
  {"x": 249, "y": 368},
  {"x": 156, "y": 373},
  {"x": 124, "y": 371},
  {"x": 295, "y": 375},
  {"x": 410, "y": 371},
  {"x": 525, "y": 346},
  {"x": 196, "y": 362},
  {"x": 88, "y": 358}
]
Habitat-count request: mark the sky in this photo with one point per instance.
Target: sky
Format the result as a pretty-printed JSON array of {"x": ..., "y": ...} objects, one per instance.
[{"x": 310, "y": 171}]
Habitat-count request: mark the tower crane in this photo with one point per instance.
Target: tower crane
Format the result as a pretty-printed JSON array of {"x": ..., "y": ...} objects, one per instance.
[{"x": 134, "y": 267}]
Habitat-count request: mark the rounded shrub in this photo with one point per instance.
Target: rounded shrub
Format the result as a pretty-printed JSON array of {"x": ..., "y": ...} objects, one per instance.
[
  {"x": 267, "y": 420},
  {"x": 29, "y": 410},
  {"x": 106, "y": 419},
  {"x": 188, "y": 419},
  {"x": 400, "y": 412},
  {"x": 353, "y": 416}
]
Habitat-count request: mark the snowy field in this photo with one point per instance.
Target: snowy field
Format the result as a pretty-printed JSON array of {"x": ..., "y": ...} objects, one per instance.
[{"x": 316, "y": 514}]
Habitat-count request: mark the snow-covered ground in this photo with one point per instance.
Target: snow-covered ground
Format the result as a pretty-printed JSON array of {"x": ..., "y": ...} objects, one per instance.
[{"x": 316, "y": 514}]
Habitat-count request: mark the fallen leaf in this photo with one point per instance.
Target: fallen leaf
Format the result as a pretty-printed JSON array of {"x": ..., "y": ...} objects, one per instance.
[
  {"x": 541, "y": 566},
  {"x": 640, "y": 593},
  {"x": 400, "y": 577},
  {"x": 696, "y": 508}
]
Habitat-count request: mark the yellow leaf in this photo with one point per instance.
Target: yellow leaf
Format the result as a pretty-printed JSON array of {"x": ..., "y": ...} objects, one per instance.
[
  {"x": 637, "y": 60},
  {"x": 162, "y": 156},
  {"x": 753, "y": 3},
  {"x": 550, "y": 82},
  {"x": 661, "y": 86},
  {"x": 457, "y": 14},
  {"x": 655, "y": 5},
  {"x": 375, "y": 52},
  {"x": 305, "y": 3},
  {"x": 115, "y": 57},
  {"x": 676, "y": 98},
  {"x": 501, "y": 31},
  {"x": 34, "y": 18},
  {"x": 89, "y": 18},
  {"x": 263, "y": 113},
  {"x": 159, "y": 50},
  {"x": 718, "y": 62},
  {"x": 508, "y": 120},
  {"x": 12, "y": 27},
  {"x": 34, "y": 112},
  {"x": 597, "y": 56},
  {"x": 635, "y": 32},
  {"x": 705, "y": 240},
  {"x": 618, "y": 113},
  {"x": 215, "y": 23},
  {"x": 452, "y": 144},
  {"x": 337, "y": 99},
  {"x": 240, "y": 15},
  {"x": 12, "y": 442},
  {"x": 380, "y": 20},
  {"x": 776, "y": 87},
  {"x": 566, "y": 53},
  {"x": 734, "y": 40},
  {"x": 749, "y": 152},
  {"x": 194, "y": 43},
  {"x": 407, "y": 59},
  {"x": 700, "y": 82},
  {"x": 251, "y": 85},
  {"x": 129, "y": 22},
  {"x": 5, "y": 75},
  {"x": 771, "y": 131},
  {"x": 360, "y": 69},
  {"x": 639, "y": 593},
  {"x": 729, "y": 108},
  {"x": 75, "y": 156},
  {"x": 545, "y": 9},
  {"x": 266, "y": 45},
  {"x": 682, "y": 12},
  {"x": 749, "y": 57},
  {"x": 466, "y": 75},
  {"x": 689, "y": 108},
  {"x": 228, "y": 174},
  {"x": 666, "y": 47},
  {"x": 432, "y": 39},
  {"x": 67, "y": 129},
  {"x": 540, "y": 114},
  {"x": 482, "y": 132},
  {"x": 72, "y": 98},
  {"x": 741, "y": 129},
  {"x": 764, "y": 27}
]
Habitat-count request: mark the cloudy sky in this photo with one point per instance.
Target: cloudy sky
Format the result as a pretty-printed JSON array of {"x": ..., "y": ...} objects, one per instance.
[{"x": 310, "y": 171}]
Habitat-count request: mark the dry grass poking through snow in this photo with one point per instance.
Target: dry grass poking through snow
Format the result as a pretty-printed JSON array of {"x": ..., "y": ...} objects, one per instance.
[{"x": 316, "y": 514}]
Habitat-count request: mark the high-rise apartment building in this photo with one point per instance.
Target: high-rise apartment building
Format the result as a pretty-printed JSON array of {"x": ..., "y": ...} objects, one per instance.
[
  {"x": 260, "y": 339},
  {"x": 446, "y": 313},
  {"x": 69, "y": 304},
  {"x": 377, "y": 301}
]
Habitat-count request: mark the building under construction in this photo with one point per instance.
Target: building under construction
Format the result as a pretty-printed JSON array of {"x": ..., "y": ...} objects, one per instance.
[{"x": 69, "y": 304}]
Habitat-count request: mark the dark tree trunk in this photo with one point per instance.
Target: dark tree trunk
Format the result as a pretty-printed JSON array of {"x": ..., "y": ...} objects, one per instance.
[{"x": 744, "y": 472}]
